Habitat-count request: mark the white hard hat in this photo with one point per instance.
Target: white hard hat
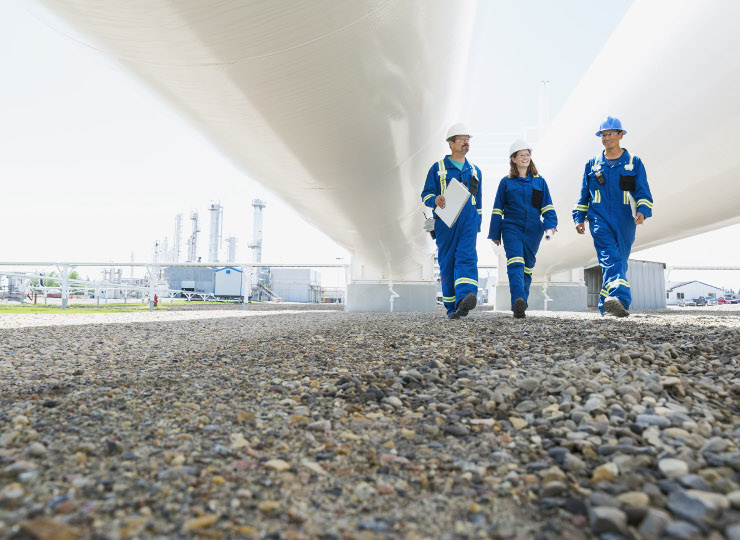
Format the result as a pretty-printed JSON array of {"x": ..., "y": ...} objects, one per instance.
[
  {"x": 519, "y": 144},
  {"x": 458, "y": 129}
]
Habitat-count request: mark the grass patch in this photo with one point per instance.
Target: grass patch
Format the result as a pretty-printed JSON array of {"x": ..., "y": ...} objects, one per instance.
[{"x": 79, "y": 308}]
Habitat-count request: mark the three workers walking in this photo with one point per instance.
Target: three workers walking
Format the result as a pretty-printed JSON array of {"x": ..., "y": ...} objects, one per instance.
[{"x": 614, "y": 199}]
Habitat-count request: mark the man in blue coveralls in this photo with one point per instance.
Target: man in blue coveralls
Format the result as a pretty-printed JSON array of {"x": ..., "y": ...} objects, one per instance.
[
  {"x": 458, "y": 258},
  {"x": 615, "y": 198}
]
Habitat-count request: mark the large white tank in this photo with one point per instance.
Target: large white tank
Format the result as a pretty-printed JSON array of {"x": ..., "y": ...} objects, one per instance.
[
  {"x": 339, "y": 107},
  {"x": 671, "y": 73}
]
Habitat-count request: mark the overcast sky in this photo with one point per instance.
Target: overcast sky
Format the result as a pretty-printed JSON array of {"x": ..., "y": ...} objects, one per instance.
[{"x": 95, "y": 166}]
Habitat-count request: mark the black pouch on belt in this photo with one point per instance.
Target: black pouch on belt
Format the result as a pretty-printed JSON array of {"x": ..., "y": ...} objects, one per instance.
[
  {"x": 537, "y": 198},
  {"x": 473, "y": 185}
]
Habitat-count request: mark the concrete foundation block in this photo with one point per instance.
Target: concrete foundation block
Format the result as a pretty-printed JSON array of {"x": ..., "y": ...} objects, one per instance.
[
  {"x": 563, "y": 297},
  {"x": 376, "y": 297}
]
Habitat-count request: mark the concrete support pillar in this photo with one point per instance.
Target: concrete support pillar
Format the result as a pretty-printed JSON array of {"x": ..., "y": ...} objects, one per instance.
[
  {"x": 371, "y": 290},
  {"x": 564, "y": 291}
]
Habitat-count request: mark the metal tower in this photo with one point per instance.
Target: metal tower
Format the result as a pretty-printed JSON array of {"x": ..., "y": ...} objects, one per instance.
[
  {"x": 214, "y": 240},
  {"x": 258, "y": 205},
  {"x": 176, "y": 248},
  {"x": 231, "y": 249},
  {"x": 193, "y": 240},
  {"x": 157, "y": 251}
]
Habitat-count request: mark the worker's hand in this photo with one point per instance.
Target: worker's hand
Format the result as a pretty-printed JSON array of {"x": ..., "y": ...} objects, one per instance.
[
  {"x": 580, "y": 228},
  {"x": 497, "y": 242},
  {"x": 440, "y": 201},
  {"x": 639, "y": 218},
  {"x": 551, "y": 232}
]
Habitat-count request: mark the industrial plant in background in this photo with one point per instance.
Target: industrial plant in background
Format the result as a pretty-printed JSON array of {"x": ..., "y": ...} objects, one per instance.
[{"x": 225, "y": 281}]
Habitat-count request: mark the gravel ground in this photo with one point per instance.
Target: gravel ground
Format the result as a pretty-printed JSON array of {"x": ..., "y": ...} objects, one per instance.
[{"x": 325, "y": 424}]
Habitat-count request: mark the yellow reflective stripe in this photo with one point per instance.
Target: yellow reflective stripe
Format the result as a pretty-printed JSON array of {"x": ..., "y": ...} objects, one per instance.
[
  {"x": 427, "y": 197},
  {"x": 442, "y": 176},
  {"x": 473, "y": 199},
  {"x": 646, "y": 202},
  {"x": 604, "y": 292},
  {"x": 629, "y": 166},
  {"x": 582, "y": 207},
  {"x": 546, "y": 208},
  {"x": 597, "y": 196},
  {"x": 616, "y": 283},
  {"x": 498, "y": 212},
  {"x": 448, "y": 299},
  {"x": 464, "y": 280},
  {"x": 527, "y": 270},
  {"x": 515, "y": 260},
  {"x": 474, "y": 174},
  {"x": 480, "y": 211},
  {"x": 626, "y": 197}
]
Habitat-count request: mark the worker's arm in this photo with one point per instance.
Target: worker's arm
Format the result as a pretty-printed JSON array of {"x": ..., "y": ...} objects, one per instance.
[
  {"x": 497, "y": 214},
  {"x": 581, "y": 208},
  {"x": 548, "y": 210},
  {"x": 431, "y": 188},
  {"x": 642, "y": 195}
]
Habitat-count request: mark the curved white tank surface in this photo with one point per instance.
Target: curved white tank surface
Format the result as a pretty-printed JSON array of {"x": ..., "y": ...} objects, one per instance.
[
  {"x": 339, "y": 107},
  {"x": 671, "y": 73}
]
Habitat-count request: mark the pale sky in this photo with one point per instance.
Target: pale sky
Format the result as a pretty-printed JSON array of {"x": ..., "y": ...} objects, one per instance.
[{"x": 95, "y": 166}]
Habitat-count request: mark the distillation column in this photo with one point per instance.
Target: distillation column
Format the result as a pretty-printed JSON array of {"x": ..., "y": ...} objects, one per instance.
[
  {"x": 230, "y": 249},
  {"x": 176, "y": 248},
  {"x": 193, "y": 240},
  {"x": 214, "y": 239}
]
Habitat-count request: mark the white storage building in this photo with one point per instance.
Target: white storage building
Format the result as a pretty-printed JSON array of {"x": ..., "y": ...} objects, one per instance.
[{"x": 688, "y": 290}]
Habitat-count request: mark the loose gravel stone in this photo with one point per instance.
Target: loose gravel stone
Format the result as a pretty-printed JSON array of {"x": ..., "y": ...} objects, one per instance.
[
  {"x": 673, "y": 468},
  {"x": 654, "y": 524},
  {"x": 298, "y": 423},
  {"x": 605, "y": 519}
]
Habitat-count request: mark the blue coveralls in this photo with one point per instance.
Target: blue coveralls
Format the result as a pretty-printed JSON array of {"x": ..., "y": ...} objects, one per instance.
[
  {"x": 610, "y": 218},
  {"x": 518, "y": 212},
  {"x": 456, "y": 251}
]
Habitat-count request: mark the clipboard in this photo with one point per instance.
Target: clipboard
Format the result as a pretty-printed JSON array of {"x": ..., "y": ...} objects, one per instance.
[{"x": 456, "y": 195}]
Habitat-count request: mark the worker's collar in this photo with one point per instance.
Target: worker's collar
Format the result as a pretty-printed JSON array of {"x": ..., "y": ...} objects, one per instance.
[
  {"x": 466, "y": 165},
  {"x": 621, "y": 160}
]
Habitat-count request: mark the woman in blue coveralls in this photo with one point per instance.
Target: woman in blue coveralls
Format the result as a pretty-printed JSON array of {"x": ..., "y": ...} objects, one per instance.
[{"x": 522, "y": 202}]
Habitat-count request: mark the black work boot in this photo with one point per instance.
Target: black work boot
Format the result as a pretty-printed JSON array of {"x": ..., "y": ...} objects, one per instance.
[
  {"x": 613, "y": 306},
  {"x": 519, "y": 307},
  {"x": 465, "y": 305}
]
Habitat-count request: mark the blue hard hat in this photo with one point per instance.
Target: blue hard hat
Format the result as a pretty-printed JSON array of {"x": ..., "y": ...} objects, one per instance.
[{"x": 610, "y": 123}]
